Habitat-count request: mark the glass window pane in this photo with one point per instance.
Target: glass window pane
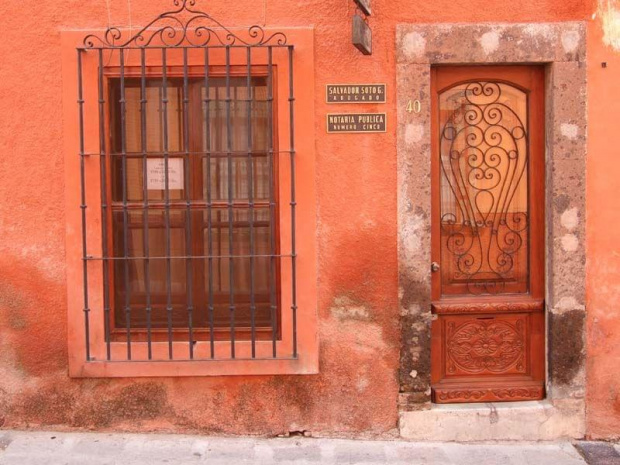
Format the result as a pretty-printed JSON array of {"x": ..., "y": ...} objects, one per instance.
[
  {"x": 129, "y": 275},
  {"x": 241, "y": 265},
  {"x": 215, "y": 139},
  {"x": 142, "y": 169},
  {"x": 484, "y": 189},
  {"x": 154, "y": 135}
]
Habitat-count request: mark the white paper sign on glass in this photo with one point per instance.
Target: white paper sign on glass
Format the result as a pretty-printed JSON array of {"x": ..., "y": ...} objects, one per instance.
[{"x": 156, "y": 174}]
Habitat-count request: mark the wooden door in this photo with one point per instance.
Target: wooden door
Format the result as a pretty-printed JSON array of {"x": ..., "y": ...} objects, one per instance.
[{"x": 488, "y": 229}]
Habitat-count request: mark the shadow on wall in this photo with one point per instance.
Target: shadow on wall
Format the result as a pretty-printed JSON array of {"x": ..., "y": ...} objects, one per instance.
[
  {"x": 33, "y": 335},
  {"x": 351, "y": 395}
]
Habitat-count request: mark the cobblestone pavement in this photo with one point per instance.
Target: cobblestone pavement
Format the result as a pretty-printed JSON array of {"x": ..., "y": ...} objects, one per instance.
[
  {"x": 600, "y": 453},
  {"x": 25, "y": 448}
]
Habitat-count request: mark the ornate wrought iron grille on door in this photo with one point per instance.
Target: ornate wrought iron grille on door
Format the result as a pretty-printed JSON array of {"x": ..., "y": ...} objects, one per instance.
[{"x": 188, "y": 191}]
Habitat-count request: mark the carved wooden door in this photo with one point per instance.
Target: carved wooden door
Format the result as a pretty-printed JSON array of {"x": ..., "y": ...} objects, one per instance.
[{"x": 488, "y": 233}]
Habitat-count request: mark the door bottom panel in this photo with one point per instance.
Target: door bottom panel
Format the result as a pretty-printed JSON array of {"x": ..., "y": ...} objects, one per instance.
[
  {"x": 446, "y": 393},
  {"x": 488, "y": 357}
]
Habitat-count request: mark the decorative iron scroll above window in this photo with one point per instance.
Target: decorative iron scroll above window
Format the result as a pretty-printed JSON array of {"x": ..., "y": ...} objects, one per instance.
[
  {"x": 174, "y": 28},
  {"x": 192, "y": 202}
]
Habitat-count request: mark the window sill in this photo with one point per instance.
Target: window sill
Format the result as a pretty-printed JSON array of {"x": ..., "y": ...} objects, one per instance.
[{"x": 201, "y": 365}]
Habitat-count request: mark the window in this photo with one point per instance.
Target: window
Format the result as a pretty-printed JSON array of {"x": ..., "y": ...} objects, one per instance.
[
  {"x": 190, "y": 281},
  {"x": 186, "y": 244}
]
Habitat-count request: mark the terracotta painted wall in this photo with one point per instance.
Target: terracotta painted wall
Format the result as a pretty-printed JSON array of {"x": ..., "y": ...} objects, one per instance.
[
  {"x": 357, "y": 389},
  {"x": 603, "y": 265}
]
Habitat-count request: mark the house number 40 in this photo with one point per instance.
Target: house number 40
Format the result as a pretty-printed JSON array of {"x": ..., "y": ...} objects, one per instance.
[{"x": 414, "y": 106}]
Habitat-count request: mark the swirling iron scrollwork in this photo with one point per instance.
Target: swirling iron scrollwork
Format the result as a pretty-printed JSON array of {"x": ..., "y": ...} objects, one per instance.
[
  {"x": 175, "y": 28},
  {"x": 483, "y": 163}
]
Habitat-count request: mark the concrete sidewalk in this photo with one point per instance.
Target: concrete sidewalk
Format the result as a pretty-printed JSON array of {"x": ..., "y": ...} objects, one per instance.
[{"x": 25, "y": 448}]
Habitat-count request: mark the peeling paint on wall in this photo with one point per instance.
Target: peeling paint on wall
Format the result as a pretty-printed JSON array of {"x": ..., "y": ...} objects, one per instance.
[
  {"x": 609, "y": 11},
  {"x": 489, "y": 42},
  {"x": 414, "y": 45}
]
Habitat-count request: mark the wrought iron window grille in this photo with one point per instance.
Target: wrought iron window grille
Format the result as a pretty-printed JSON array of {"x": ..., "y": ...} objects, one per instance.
[{"x": 200, "y": 71}]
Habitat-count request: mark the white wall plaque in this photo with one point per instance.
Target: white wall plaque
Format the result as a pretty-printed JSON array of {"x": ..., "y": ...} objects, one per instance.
[{"x": 156, "y": 177}]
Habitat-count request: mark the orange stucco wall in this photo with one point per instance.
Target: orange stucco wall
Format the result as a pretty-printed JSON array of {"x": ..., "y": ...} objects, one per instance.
[
  {"x": 603, "y": 212},
  {"x": 357, "y": 388}
]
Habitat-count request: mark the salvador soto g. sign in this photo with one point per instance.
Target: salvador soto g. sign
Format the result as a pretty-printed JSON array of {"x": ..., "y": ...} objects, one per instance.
[
  {"x": 355, "y": 93},
  {"x": 356, "y": 122}
]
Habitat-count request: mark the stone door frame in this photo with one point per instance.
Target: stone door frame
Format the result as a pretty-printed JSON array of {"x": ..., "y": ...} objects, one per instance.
[{"x": 561, "y": 47}]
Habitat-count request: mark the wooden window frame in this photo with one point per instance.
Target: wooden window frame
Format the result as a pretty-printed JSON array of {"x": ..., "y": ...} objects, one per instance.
[{"x": 139, "y": 334}]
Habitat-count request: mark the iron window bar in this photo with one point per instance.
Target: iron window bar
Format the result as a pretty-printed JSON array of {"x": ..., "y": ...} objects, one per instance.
[
  {"x": 204, "y": 154},
  {"x": 185, "y": 29}
]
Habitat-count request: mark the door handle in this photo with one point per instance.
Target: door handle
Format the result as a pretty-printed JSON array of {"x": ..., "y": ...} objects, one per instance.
[{"x": 434, "y": 267}]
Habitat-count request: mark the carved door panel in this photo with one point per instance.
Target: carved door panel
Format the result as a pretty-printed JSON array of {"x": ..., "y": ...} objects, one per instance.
[{"x": 487, "y": 233}]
